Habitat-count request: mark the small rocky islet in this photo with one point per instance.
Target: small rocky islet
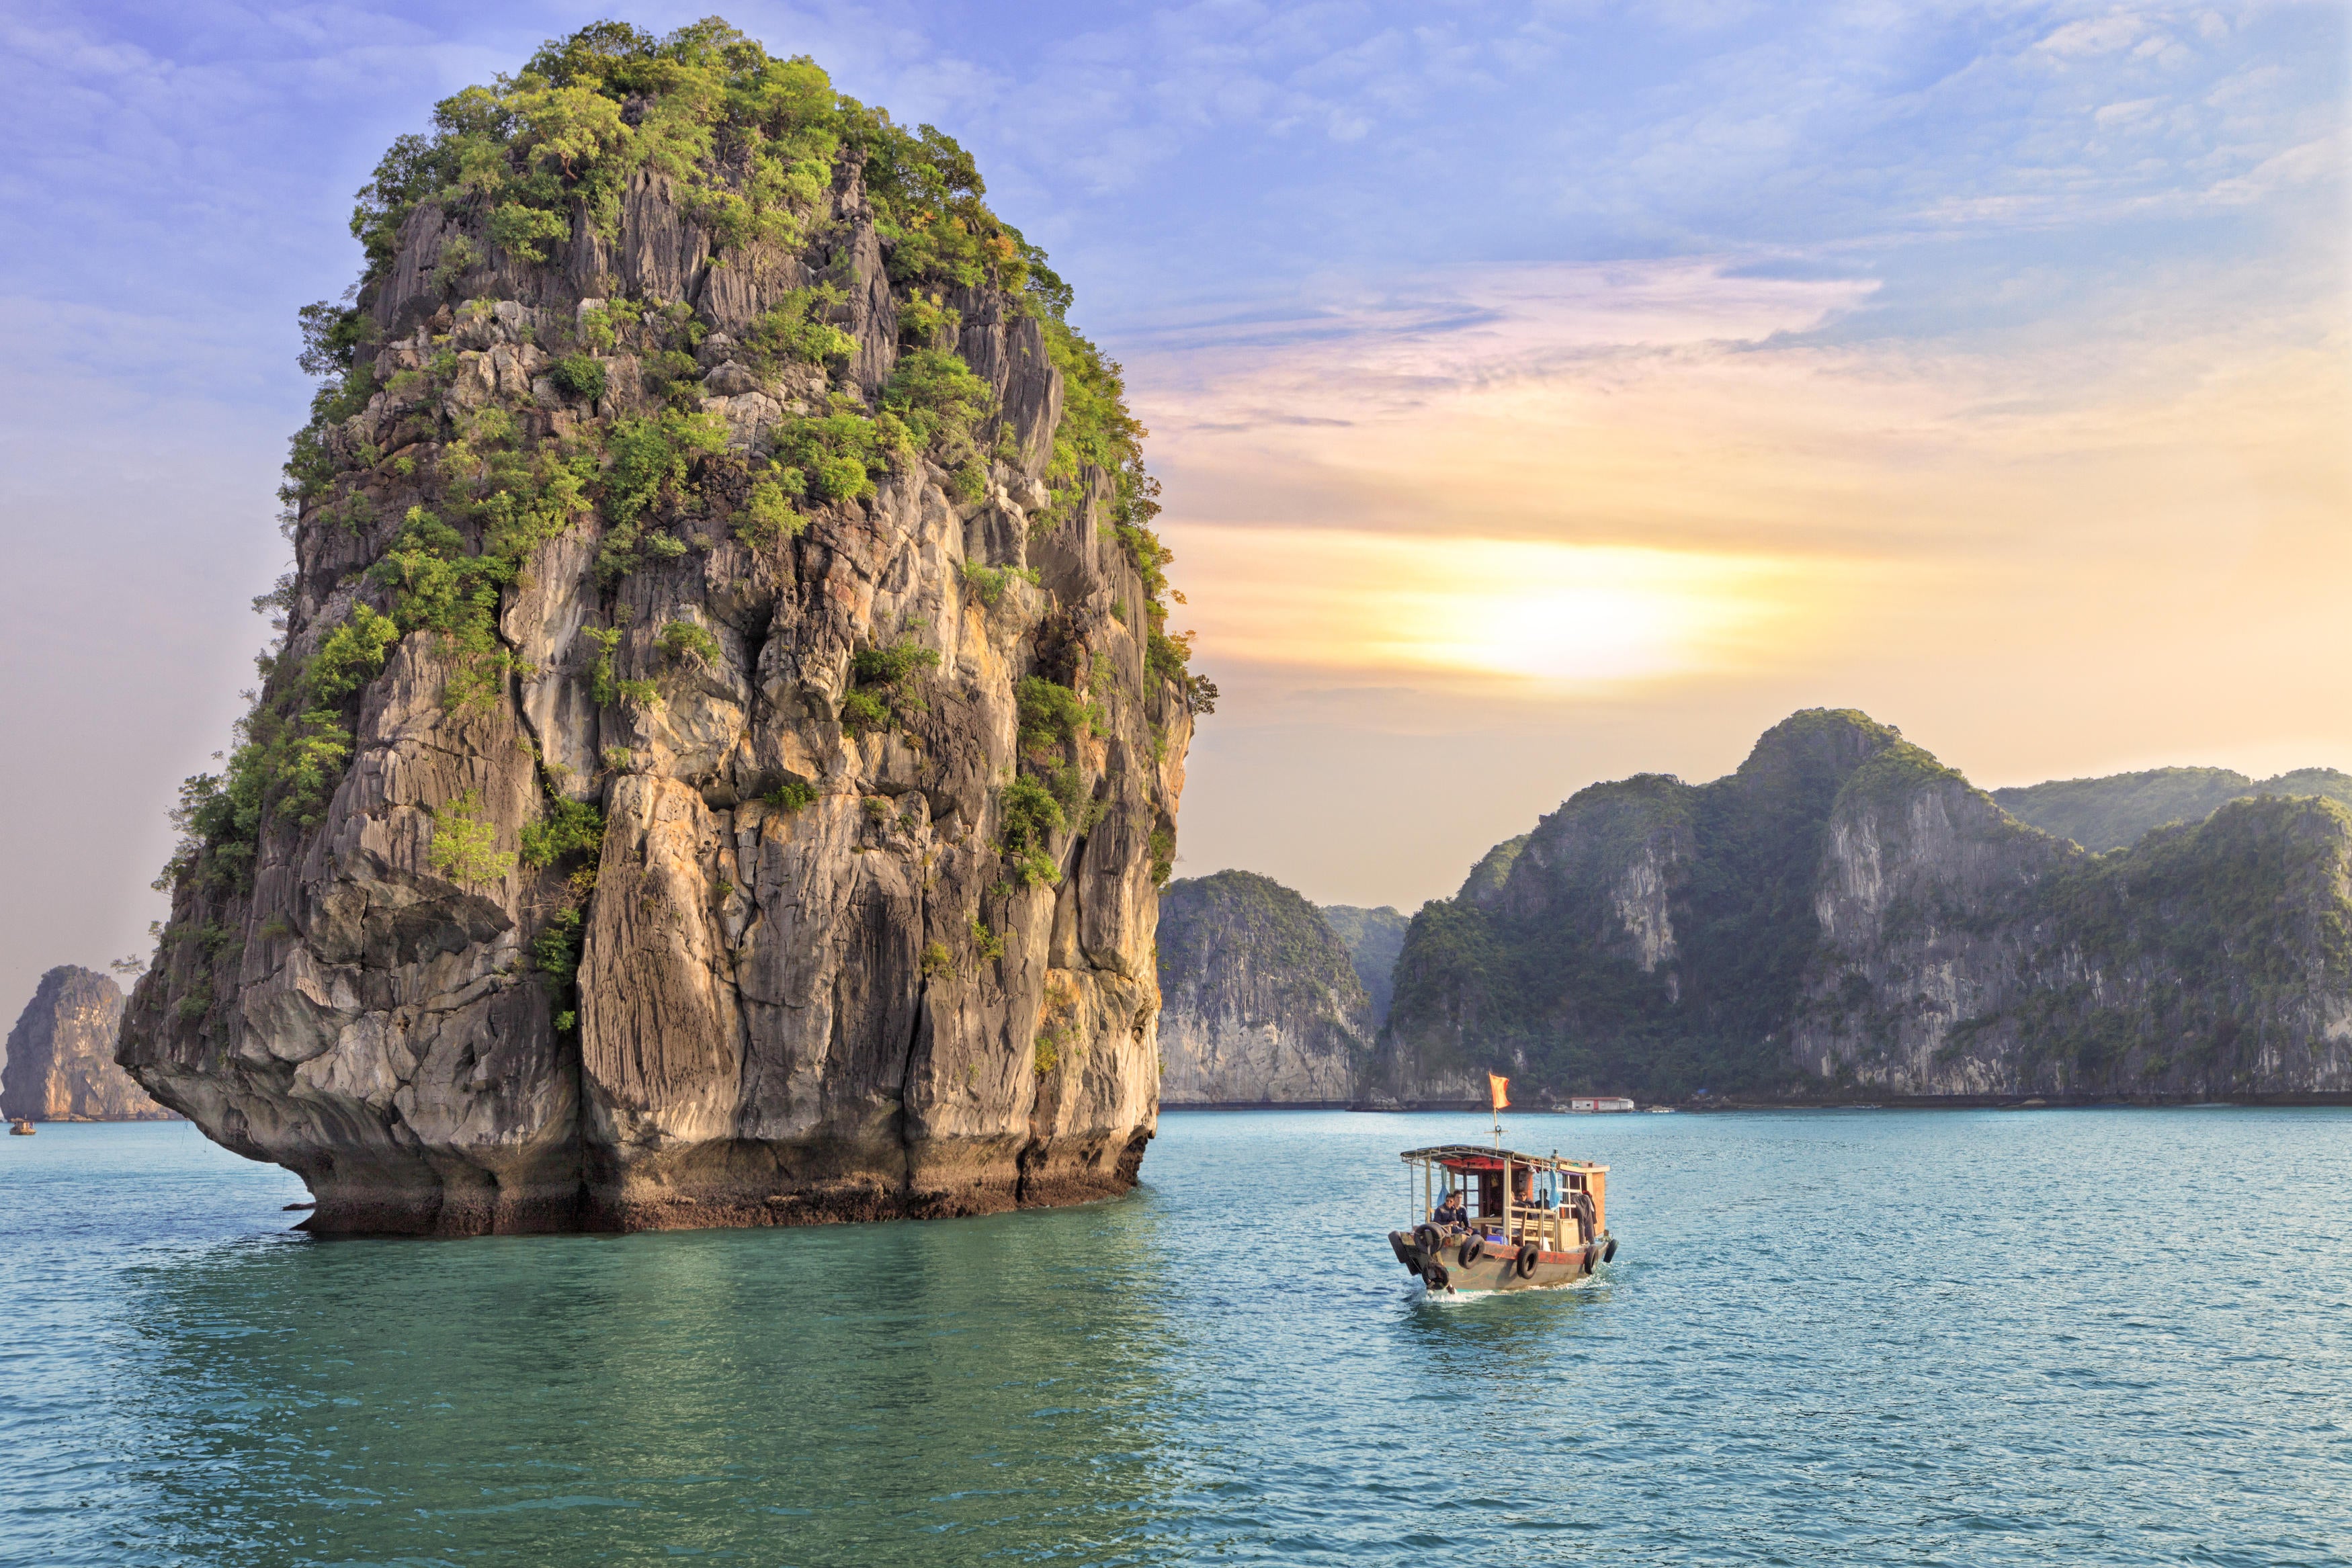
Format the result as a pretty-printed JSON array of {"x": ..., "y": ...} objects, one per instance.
[
  {"x": 725, "y": 743},
  {"x": 59, "y": 1064}
]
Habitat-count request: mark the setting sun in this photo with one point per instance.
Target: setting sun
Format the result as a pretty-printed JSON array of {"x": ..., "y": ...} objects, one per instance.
[{"x": 1524, "y": 610}]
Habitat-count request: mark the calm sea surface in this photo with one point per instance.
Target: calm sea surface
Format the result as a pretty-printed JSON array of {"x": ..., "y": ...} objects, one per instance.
[{"x": 2055, "y": 1337}]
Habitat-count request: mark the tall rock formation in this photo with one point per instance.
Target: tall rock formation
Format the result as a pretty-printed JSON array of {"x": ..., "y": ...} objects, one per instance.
[
  {"x": 2110, "y": 812},
  {"x": 60, "y": 1062},
  {"x": 1259, "y": 1002},
  {"x": 1846, "y": 915},
  {"x": 1373, "y": 938},
  {"x": 724, "y": 747}
]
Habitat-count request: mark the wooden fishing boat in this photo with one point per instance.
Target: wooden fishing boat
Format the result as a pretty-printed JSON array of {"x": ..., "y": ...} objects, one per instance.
[
  {"x": 22, "y": 1127},
  {"x": 1524, "y": 1220}
]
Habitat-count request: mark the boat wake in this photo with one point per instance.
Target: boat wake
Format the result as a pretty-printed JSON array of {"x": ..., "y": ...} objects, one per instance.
[{"x": 1464, "y": 1298}]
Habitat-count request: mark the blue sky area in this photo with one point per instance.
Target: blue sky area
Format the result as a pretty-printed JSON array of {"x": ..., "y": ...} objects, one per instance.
[{"x": 2072, "y": 203}]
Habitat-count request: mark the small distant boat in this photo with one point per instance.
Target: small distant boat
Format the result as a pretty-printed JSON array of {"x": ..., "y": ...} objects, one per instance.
[
  {"x": 1591, "y": 1104},
  {"x": 1519, "y": 1220},
  {"x": 1659, "y": 1110},
  {"x": 21, "y": 1128}
]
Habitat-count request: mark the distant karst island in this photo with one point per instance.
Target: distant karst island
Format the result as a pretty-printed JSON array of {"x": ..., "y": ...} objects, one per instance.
[
  {"x": 1843, "y": 918},
  {"x": 726, "y": 739},
  {"x": 59, "y": 1064}
]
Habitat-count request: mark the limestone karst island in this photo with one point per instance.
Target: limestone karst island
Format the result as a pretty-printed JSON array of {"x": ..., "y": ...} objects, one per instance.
[
  {"x": 725, "y": 746},
  {"x": 949, "y": 786}
]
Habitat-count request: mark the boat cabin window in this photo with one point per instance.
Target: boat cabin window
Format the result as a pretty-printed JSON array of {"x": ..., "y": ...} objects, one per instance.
[{"x": 1481, "y": 1194}]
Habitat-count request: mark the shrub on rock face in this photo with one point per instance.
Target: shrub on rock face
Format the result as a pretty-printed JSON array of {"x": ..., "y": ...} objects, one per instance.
[
  {"x": 569, "y": 828},
  {"x": 797, "y": 329},
  {"x": 465, "y": 845},
  {"x": 578, "y": 375},
  {"x": 767, "y": 518},
  {"x": 687, "y": 640}
]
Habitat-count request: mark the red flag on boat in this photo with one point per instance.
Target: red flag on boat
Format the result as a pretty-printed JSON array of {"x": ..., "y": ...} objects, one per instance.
[{"x": 1500, "y": 1089}]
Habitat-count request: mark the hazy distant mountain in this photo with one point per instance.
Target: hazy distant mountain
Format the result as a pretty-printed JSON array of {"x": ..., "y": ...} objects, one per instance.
[
  {"x": 1844, "y": 914},
  {"x": 1259, "y": 1002},
  {"x": 2110, "y": 812},
  {"x": 1373, "y": 938}
]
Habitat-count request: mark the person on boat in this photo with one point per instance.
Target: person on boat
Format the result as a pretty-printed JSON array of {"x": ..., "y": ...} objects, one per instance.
[{"x": 1450, "y": 1210}]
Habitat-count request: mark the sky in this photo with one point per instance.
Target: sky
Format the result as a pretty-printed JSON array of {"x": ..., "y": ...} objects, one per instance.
[{"x": 1542, "y": 393}]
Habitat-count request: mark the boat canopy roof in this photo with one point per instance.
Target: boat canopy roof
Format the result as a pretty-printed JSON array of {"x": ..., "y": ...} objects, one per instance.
[{"x": 1474, "y": 1158}]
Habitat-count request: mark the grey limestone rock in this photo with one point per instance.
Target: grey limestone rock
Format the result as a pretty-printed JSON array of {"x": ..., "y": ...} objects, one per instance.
[{"x": 728, "y": 379}]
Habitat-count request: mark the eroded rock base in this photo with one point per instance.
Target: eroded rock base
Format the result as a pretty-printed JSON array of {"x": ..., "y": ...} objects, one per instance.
[{"x": 717, "y": 1187}]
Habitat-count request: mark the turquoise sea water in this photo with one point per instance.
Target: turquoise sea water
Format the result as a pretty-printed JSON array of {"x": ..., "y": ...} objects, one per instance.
[{"x": 2055, "y": 1337}]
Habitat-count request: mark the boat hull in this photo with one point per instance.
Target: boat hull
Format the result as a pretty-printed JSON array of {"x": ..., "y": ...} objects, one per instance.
[{"x": 1498, "y": 1270}]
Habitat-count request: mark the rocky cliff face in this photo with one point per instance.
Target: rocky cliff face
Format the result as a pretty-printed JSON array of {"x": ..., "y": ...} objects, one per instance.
[
  {"x": 60, "y": 1062},
  {"x": 1373, "y": 938},
  {"x": 1259, "y": 1001},
  {"x": 1845, "y": 915},
  {"x": 724, "y": 747}
]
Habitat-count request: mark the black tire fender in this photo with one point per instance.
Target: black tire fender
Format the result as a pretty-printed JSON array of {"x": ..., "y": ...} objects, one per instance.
[
  {"x": 1426, "y": 1237},
  {"x": 1434, "y": 1275},
  {"x": 1473, "y": 1248},
  {"x": 1525, "y": 1261},
  {"x": 1404, "y": 1252},
  {"x": 1609, "y": 1252}
]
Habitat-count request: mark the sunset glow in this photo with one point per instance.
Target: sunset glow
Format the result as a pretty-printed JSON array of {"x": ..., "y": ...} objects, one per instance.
[{"x": 1529, "y": 611}]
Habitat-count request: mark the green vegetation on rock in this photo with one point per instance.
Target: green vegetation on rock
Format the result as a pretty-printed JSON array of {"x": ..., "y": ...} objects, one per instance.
[
  {"x": 1486, "y": 878},
  {"x": 886, "y": 690},
  {"x": 2235, "y": 913},
  {"x": 465, "y": 844},
  {"x": 569, "y": 828},
  {"x": 565, "y": 133}
]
